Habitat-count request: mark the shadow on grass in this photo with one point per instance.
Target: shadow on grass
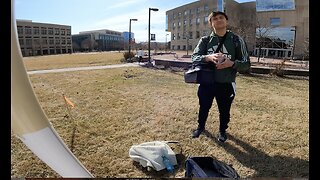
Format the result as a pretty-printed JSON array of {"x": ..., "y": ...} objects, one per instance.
[{"x": 262, "y": 163}]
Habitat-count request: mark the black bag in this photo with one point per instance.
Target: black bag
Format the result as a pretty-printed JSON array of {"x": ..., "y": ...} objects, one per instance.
[
  {"x": 200, "y": 73},
  {"x": 204, "y": 167}
]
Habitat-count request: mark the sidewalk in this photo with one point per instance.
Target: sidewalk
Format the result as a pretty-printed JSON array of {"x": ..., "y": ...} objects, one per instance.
[{"x": 83, "y": 68}]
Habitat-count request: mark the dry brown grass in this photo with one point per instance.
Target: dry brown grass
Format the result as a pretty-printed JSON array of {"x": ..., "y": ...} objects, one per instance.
[
  {"x": 118, "y": 108},
  {"x": 72, "y": 60}
]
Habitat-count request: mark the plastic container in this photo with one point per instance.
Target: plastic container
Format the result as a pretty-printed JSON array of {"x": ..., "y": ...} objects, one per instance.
[{"x": 168, "y": 164}]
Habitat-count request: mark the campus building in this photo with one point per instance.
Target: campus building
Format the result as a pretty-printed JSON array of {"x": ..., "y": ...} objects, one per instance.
[
  {"x": 43, "y": 38},
  {"x": 270, "y": 28},
  {"x": 188, "y": 23},
  {"x": 98, "y": 40}
]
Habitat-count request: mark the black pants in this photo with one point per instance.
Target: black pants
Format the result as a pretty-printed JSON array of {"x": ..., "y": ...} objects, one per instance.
[
  {"x": 140, "y": 59},
  {"x": 224, "y": 94}
]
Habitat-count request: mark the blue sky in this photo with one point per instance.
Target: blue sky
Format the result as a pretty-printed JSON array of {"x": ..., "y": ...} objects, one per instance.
[{"x": 85, "y": 15}]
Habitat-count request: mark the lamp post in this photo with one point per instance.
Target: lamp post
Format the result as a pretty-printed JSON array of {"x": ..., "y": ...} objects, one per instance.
[
  {"x": 150, "y": 9},
  {"x": 294, "y": 41},
  {"x": 166, "y": 42},
  {"x": 130, "y": 36}
]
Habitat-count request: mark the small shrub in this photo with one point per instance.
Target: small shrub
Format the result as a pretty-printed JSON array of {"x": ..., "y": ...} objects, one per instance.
[{"x": 128, "y": 55}]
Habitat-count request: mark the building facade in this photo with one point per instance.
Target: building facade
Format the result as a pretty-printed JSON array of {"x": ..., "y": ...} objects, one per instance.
[
  {"x": 43, "y": 38},
  {"x": 188, "y": 23},
  {"x": 98, "y": 40},
  {"x": 277, "y": 28},
  {"x": 282, "y": 28}
]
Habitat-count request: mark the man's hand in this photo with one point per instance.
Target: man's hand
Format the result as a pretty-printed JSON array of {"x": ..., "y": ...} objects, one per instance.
[
  {"x": 215, "y": 58},
  {"x": 224, "y": 64}
]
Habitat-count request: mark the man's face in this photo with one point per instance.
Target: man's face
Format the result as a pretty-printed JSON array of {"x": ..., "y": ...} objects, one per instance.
[{"x": 219, "y": 21}]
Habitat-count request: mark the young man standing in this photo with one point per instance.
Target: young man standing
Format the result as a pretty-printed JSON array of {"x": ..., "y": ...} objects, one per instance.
[
  {"x": 232, "y": 57},
  {"x": 140, "y": 55}
]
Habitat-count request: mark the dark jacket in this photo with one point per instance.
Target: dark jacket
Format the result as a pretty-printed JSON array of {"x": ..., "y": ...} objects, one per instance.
[{"x": 234, "y": 47}]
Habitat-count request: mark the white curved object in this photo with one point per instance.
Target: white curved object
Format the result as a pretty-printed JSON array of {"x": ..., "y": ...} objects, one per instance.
[{"x": 29, "y": 122}]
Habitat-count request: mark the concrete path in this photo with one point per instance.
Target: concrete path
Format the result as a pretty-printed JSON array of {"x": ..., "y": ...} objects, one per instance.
[{"x": 84, "y": 68}]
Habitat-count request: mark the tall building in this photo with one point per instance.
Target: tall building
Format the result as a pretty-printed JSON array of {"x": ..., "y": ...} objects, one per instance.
[
  {"x": 271, "y": 28},
  {"x": 188, "y": 23},
  {"x": 98, "y": 40},
  {"x": 43, "y": 38}
]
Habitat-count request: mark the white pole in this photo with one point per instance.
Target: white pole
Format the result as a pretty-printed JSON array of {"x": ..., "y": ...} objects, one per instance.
[{"x": 29, "y": 122}]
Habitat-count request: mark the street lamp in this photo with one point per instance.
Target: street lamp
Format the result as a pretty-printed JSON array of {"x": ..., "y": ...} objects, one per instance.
[
  {"x": 130, "y": 36},
  {"x": 150, "y": 9},
  {"x": 294, "y": 41},
  {"x": 166, "y": 42}
]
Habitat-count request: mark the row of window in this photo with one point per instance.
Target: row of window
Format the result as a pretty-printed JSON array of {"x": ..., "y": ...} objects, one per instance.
[
  {"x": 189, "y": 35},
  {"x": 50, "y": 41},
  {"x": 197, "y": 10},
  {"x": 189, "y": 22},
  {"x": 43, "y": 30},
  {"x": 178, "y": 47}
]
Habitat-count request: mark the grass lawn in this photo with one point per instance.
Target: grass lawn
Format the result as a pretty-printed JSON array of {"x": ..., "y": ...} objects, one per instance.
[{"x": 118, "y": 108}]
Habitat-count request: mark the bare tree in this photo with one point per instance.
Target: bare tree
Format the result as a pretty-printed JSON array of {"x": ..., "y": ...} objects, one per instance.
[
  {"x": 262, "y": 33},
  {"x": 89, "y": 44}
]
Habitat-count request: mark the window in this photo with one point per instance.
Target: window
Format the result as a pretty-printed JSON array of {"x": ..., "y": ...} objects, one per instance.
[
  {"x": 43, "y": 31},
  {"x": 205, "y": 21},
  {"x": 51, "y": 40},
  {"x": 21, "y": 42},
  {"x": 198, "y": 21},
  {"x": 221, "y": 5},
  {"x": 198, "y": 10},
  {"x": 267, "y": 5},
  {"x": 274, "y": 21},
  {"x": 36, "y": 30},
  {"x": 56, "y": 31},
  {"x": 190, "y": 35},
  {"x": 44, "y": 41},
  {"x": 206, "y": 8},
  {"x": 20, "y": 30},
  {"x": 28, "y": 41},
  {"x": 28, "y": 30},
  {"x": 197, "y": 34},
  {"x": 50, "y": 31}
]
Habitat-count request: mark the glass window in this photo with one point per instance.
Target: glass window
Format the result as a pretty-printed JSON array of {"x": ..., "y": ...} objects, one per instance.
[
  {"x": 20, "y": 30},
  {"x": 28, "y": 30},
  {"x": 271, "y": 5},
  {"x": 221, "y": 5},
  {"x": 206, "y": 7},
  {"x": 205, "y": 20},
  {"x": 279, "y": 37},
  {"x": 274, "y": 21},
  {"x": 36, "y": 30},
  {"x": 198, "y": 21}
]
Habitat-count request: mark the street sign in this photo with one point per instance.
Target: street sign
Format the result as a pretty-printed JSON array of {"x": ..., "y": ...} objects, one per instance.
[{"x": 153, "y": 37}]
